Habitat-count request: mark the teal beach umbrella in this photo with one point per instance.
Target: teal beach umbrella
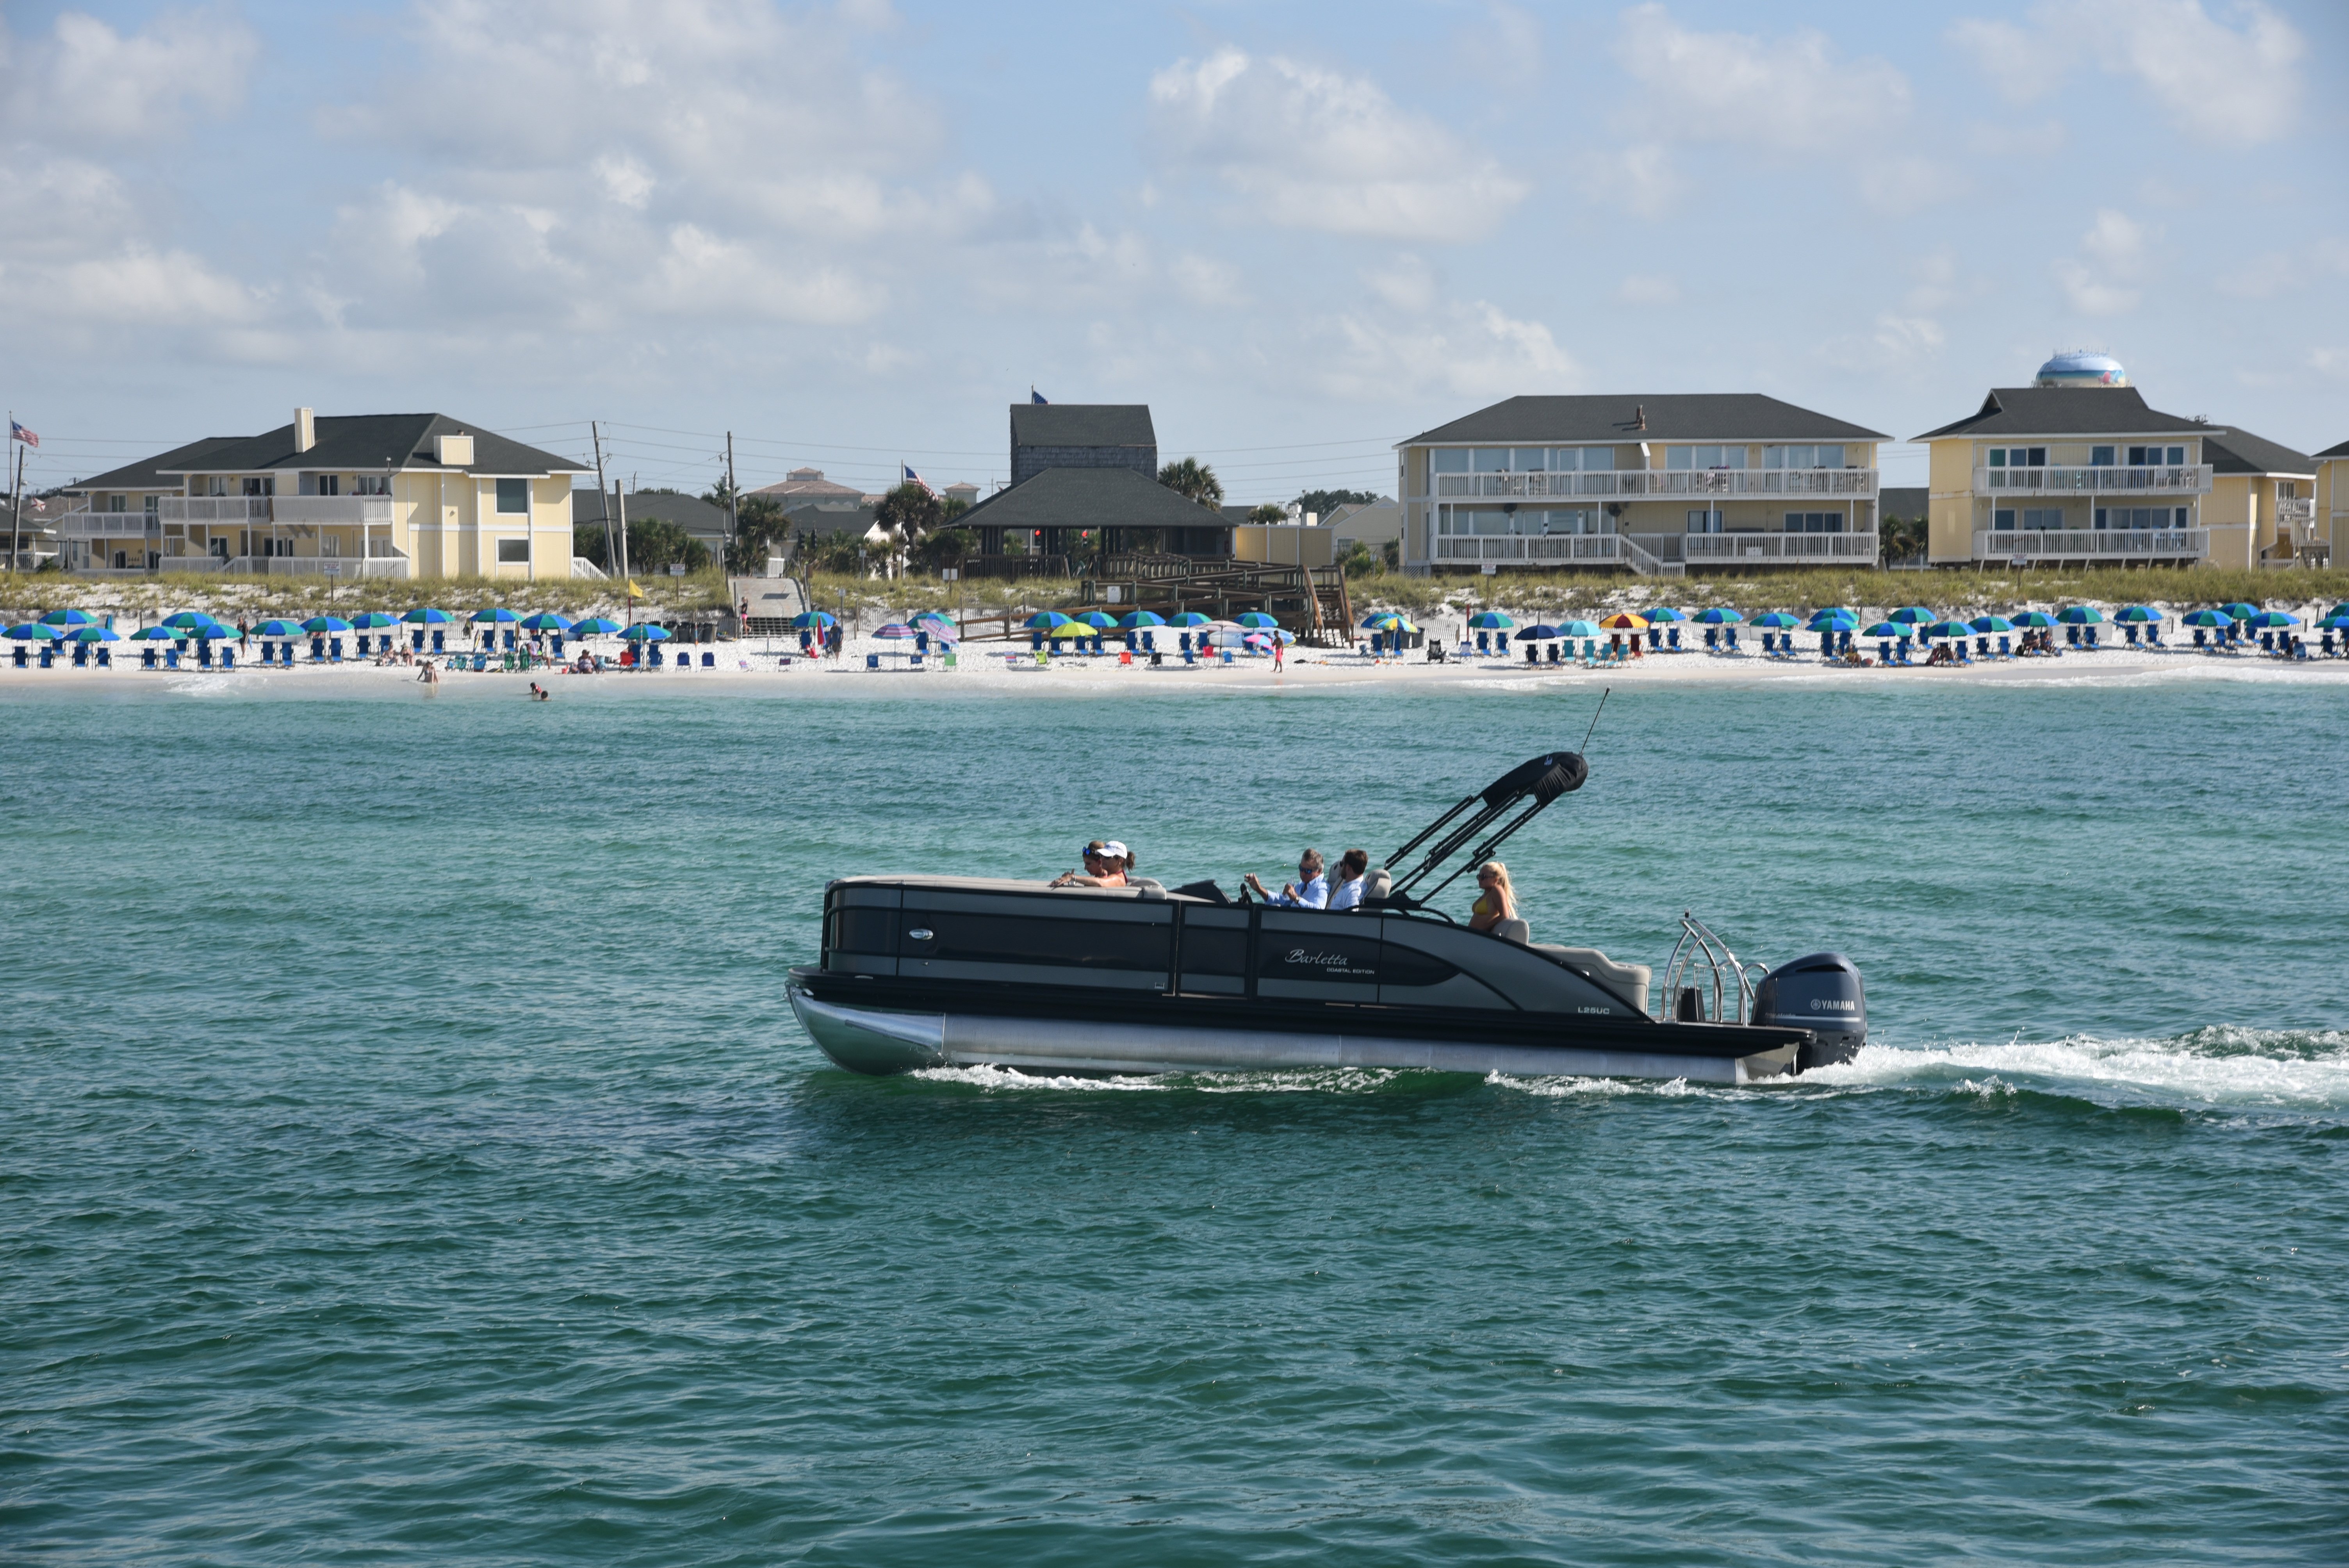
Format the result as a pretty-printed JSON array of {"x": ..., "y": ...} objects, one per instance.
[
  {"x": 545, "y": 621},
  {"x": 68, "y": 618},
  {"x": 805, "y": 621},
  {"x": 1777, "y": 621},
  {"x": 646, "y": 633},
  {"x": 1190, "y": 618},
  {"x": 495, "y": 615},
  {"x": 1662, "y": 614},
  {"x": 373, "y": 621},
  {"x": 423, "y": 615},
  {"x": 278, "y": 629},
  {"x": 320, "y": 623},
  {"x": 93, "y": 634},
  {"x": 1489, "y": 621},
  {"x": 2271, "y": 619},
  {"x": 2209, "y": 618},
  {"x": 1046, "y": 620},
  {"x": 1255, "y": 620},
  {"x": 1577, "y": 629},
  {"x": 2138, "y": 615},
  {"x": 1910, "y": 616},
  {"x": 2240, "y": 611},
  {"x": 2081, "y": 615},
  {"x": 2035, "y": 620},
  {"x": 34, "y": 632},
  {"x": 1886, "y": 629},
  {"x": 1098, "y": 621},
  {"x": 1717, "y": 616},
  {"x": 594, "y": 626},
  {"x": 1135, "y": 620},
  {"x": 156, "y": 634},
  {"x": 1993, "y": 624}
]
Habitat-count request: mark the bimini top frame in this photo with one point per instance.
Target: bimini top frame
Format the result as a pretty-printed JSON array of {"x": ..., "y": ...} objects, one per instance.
[{"x": 1532, "y": 785}]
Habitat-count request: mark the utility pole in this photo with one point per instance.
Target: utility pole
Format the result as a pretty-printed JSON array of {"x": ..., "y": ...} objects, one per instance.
[
  {"x": 15, "y": 495},
  {"x": 603, "y": 497},
  {"x": 621, "y": 501},
  {"x": 733, "y": 507}
]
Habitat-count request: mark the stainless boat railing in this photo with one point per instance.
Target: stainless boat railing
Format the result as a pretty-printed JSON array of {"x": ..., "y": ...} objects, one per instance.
[{"x": 1702, "y": 962}]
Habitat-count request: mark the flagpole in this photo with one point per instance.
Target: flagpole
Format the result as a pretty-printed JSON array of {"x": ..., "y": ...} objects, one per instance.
[
  {"x": 733, "y": 507},
  {"x": 15, "y": 496}
]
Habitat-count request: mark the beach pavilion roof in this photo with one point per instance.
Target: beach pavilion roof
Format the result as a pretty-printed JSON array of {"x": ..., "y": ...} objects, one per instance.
[{"x": 1089, "y": 498}]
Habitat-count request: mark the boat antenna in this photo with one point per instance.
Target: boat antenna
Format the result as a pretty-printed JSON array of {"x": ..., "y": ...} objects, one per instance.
[{"x": 1603, "y": 692}]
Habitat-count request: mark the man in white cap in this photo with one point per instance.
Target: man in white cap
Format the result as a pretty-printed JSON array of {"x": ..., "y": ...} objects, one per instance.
[{"x": 1105, "y": 862}]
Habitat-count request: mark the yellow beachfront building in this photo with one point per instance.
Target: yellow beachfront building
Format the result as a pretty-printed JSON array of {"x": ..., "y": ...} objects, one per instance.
[
  {"x": 1657, "y": 483},
  {"x": 376, "y": 495},
  {"x": 2330, "y": 506},
  {"x": 2081, "y": 470}
]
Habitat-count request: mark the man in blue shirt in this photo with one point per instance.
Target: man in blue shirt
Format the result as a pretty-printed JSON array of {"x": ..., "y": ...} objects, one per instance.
[{"x": 1314, "y": 893}]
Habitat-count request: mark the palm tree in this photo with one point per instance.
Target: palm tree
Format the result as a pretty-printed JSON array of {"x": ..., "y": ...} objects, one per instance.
[{"x": 1192, "y": 480}]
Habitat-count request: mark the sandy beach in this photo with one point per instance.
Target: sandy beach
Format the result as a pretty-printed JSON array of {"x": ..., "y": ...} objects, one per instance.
[{"x": 759, "y": 667}]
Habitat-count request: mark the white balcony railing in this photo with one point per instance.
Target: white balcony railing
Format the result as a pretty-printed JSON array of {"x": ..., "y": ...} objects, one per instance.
[
  {"x": 2188, "y": 480},
  {"x": 83, "y": 523},
  {"x": 335, "y": 510},
  {"x": 1852, "y": 483},
  {"x": 1711, "y": 547},
  {"x": 2094, "y": 544},
  {"x": 2296, "y": 513},
  {"x": 1551, "y": 549}
]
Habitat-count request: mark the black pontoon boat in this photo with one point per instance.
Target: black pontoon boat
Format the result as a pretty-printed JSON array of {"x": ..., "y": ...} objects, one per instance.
[{"x": 925, "y": 972}]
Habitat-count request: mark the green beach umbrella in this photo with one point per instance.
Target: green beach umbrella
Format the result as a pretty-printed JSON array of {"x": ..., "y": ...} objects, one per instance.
[
  {"x": 156, "y": 634},
  {"x": 594, "y": 626},
  {"x": 1046, "y": 620},
  {"x": 496, "y": 616},
  {"x": 2240, "y": 611},
  {"x": 1885, "y": 629},
  {"x": 1777, "y": 621},
  {"x": 1489, "y": 621},
  {"x": 424, "y": 615},
  {"x": 191, "y": 619},
  {"x": 373, "y": 621},
  {"x": 1993, "y": 624},
  {"x": 93, "y": 634},
  {"x": 1098, "y": 621},
  {"x": 2081, "y": 615},
  {"x": 278, "y": 629},
  {"x": 646, "y": 633},
  {"x": 1949, "y": 629},
  {"x": 2338, "y": 622},
  {"x": 34, "y": 632},
  {"x": 68, "y": 618},
  {"x": 1717, "y": 616},
  {"x": 1135, "y": 620},
  {"x": 1189, "y": 618},
  {"x": 2137, "y": 614},
  {"x": 2209, "y": 618},
  {"x": 1255, "y": 620},
  {"x": 1662, "y": 614},
  {"x": 2035, "y": 620},
  {"x": 2269, "y": 619},
  {"x": 545, "y": 621},
  {"x": 318, "y": 625},
  {"x": 1910, "y": 615},
  {"x": 806, "y": 620}
]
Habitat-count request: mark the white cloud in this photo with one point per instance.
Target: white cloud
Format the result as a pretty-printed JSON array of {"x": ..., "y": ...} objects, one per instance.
[
  {"x": 86, "y": 82},
  {"x": 141, "y": 286},
  {"x": 1205, "y": 281},
  {"x": 1894, "y": 343},
  {"x": 1408, "y": 284},
  {"x": 1794, "y": 94},
  {"x": 626, "y": 181},
  {"x": 1642, "y": 288},
  {"x": 1310, "y": 148},
  {"x": 2274, "y": 273},
  {"x": 2111, "y": 258},
  {"x": 1640, "y": 177},
  {"x": 2235, "y": 86},
  {"x": 702, "y": 274},
  {"x": 1465, "y": 350}
]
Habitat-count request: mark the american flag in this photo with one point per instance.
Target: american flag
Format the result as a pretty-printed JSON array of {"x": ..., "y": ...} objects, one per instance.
[
  {"x": 914, "y": 479},
  {"x": 19, "y": 433},
  {"x": 1036, "y": 397}
]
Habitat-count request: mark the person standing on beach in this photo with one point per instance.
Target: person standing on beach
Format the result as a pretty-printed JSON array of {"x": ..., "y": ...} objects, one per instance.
[{"x": 1278, "y": 645}]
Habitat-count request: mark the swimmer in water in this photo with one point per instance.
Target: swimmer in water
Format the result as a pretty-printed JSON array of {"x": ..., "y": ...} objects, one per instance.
[{"x": 537, "y": 692}]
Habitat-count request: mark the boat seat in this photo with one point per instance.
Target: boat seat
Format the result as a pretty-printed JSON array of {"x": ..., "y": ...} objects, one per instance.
[
  {"x": 1515, "y": 931},
  {"x": 1628, "y": 980},
  {"x": 1377, "y": 883}
]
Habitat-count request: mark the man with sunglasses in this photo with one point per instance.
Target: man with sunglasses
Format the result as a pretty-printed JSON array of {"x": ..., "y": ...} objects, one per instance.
[
  {"x": 1311, "y": 890},
  {"x": 1104, "y": 867}
]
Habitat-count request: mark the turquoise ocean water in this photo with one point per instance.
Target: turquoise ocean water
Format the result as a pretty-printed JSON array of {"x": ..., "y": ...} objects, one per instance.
[{"x": 408, "y": 1154}]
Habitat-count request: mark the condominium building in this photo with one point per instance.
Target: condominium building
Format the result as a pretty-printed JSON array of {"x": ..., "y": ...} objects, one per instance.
[
  {"x": 2330, "y": 505},
  {"x": 379, "y": 495},
  {"x": 2078, "y": 467},
  {"x": 1655, "y": 483}
]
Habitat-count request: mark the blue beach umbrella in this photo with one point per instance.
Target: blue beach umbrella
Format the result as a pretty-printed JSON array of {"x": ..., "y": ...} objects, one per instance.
[
  {"x": 1254, "y": 620},
  {"x": 278, "y": 629},
  {"x": 2209, "y": 618},
  {"x": 1099, "y": 621},
  {"x": 1777, "y": 621},
  {"x": 646, "y": 633},
  {"x": 1662, "y": 613},
  {"x": 373, "y": 621},
  {"x": 2081, "y": 615},
  {"x": 1949, "y": 629},
  {"x": 597, "y": 627},
  {"x": 2269, "y": 619},
  {"x": 34, "y": 632},
  {"x": 1135, "y": 620},
  {"x": 1579, "y": 629},
  {"x": 93, "y": 634},
  {"x": 1192, "y": 618},
  {"x": 2240, "y": 611},
  {"x": 1993, "y": 624},
  {"x": 189, "y": 619},
  {"x": 1717, "y": 616},
  {"x": 317, "y": 623},
  {"x": 2138, "y": 615},
  {"x": 155, "y": 635},
  {"x": 2035, "y": 620},
  {"x": 1045, "y": 621},
  {"x": 495, "y": 615},
  {"x": 545, "y": 621},
  {"x": 1833, "y": 612},
  {"x": 1910, "y": 616},
  {"x": 1886, "y": 629},
  {"x": 2335, "y": 624},
  {"x": 1540, "y": 633},
  {"x": 1489, "y": 621},
  {"x": 68, "y": 618},
  {"x": 806, "y": 620},
  {"x": 425, "y": 616}
]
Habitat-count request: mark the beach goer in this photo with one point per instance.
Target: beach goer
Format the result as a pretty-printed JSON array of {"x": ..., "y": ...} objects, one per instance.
[
  {"x": 430, "y": 675},
  {"x": 1347, "y": 893},
  {"x": 1311, "y": 890},
  {"x": 1496, "y": 900},
  {"x": 537, "y": 692},
  {"x": 1276, "y": 647},
  {"x": 1102, "y": 867}
]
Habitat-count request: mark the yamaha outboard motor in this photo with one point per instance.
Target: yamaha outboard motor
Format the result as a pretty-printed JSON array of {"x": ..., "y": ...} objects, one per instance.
[{"x": 1821, "y": 993}]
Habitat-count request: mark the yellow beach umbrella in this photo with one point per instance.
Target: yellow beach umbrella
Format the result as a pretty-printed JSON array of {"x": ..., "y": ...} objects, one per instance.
[{"x": 1625, "y": 621}]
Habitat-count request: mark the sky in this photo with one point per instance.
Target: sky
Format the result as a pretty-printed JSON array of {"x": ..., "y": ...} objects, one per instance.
[{"x": 854, "y": 234}]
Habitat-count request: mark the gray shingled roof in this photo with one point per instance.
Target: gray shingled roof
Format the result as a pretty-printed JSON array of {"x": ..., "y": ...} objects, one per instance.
[
  {"x": 1082, "y": 425},
  {"x": 2241, "y": 452},
  {"x": 1089, "y": 498},
  {"x": 160, "y": 472},
  {"x": 1683, "y": 417},
  {"x": 2340, "y": 451},
  {"x": 1908, "y": 504},
  {"x": 2068, "y": 411},
  {"x": 690, "y": 512},
  {"x": 372, "y": 442}
]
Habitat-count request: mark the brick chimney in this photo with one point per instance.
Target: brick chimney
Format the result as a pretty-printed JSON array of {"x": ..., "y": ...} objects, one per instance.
[{"x": 306, "y": 430}]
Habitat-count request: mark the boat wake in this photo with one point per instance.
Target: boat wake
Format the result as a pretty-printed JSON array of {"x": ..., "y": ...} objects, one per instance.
[{"x": 2219, "y": 1069}]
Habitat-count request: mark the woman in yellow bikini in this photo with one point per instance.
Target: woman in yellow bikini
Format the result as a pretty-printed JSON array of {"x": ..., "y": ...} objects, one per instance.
[{"x": 1496, "y": 900}]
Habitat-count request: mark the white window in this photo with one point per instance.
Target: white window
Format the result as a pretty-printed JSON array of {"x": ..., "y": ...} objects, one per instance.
[
  {"x": 2020, "y": 456},
  {"x": 1448, "y": 460},
  {"x": 513, "y": 551},
  {"x": 1704, "y": 456}
]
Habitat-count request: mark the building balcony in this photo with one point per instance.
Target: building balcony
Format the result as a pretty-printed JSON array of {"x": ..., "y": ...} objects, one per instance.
[
  {"x": 244, "y": 511},
  {"x": 2189, "y": 480},
  {"x": 1858, "y": 484},
  {"x": 1708, "y": 548},
  {"x": 2300, "y": 513},
  {"x": 2147, "y": 545}
]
